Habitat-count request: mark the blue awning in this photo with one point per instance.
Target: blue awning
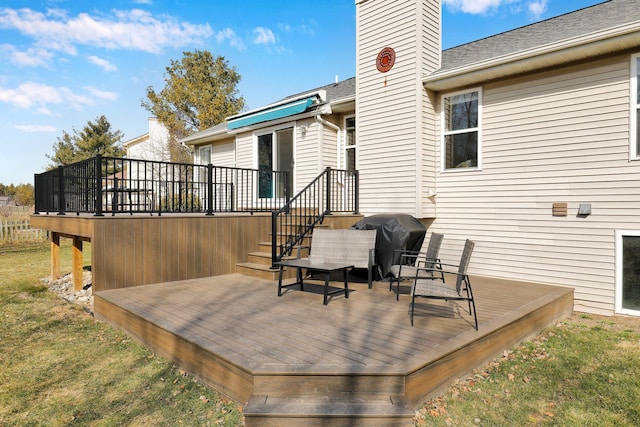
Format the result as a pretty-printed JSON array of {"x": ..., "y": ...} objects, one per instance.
[{"x": 273, "y": 113}]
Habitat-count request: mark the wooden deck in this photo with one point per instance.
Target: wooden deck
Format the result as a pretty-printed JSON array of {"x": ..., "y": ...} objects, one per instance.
[{"x": 291, "y": 360}]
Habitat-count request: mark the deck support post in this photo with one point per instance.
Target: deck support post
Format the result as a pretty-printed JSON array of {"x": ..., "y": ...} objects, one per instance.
[
  {"x": 77, "y": 263},
  {"x": 55, "y": 255}
]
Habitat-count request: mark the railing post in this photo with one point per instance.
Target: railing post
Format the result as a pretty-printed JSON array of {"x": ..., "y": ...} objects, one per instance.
[
  {"x": 209, "y": 189},
  {"x": 98, "y": 185},
  {"x": 287, "y": 189},
  {"x": 61, "y": 202},
  {"x": 114, "y": 200},
  {"x": 357, "y": 192},
  {"x": 327, "y": 187},
  {"x": 274, "y": 238},
  {"x": 36, "y": 200}
]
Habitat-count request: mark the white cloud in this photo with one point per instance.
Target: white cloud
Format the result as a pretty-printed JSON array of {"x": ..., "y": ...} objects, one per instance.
[
  {"x": 230, "y": 35},
  {"x": 38, "y": 97},
  {"x": 36, "y": 128},
  {"x": 32, "y": 57},
  {"x": 103, "y": 94},
  {"x": 263, "y": 36},
  {"x": 131, "y": 29},
  {"x": 102, "y": 63},
  {"x": 482, "y": 7},
  {"x": 474, "y": 6},
  {"x": 537, "y": 8}
]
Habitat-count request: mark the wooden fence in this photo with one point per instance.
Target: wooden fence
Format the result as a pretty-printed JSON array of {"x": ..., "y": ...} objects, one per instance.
[{"x": 19, "y": 230}]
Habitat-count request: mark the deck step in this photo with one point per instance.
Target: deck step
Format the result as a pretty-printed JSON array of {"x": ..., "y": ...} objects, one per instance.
[
  {"x": 261, "y": 258},
  {"x": 310, "y": 411},
  {"x": 260, "y": 271},
  {"x": 257, "y": 270}
]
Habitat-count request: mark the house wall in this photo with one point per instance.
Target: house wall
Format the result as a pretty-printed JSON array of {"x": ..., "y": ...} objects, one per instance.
[
  {"x": 557, "y": 136},
  {"x": 223, "y": 153},
  {"x": 393, "y": 142},
  {"x": 306, "y": 152},
  {"x": 154, "y": 146}
]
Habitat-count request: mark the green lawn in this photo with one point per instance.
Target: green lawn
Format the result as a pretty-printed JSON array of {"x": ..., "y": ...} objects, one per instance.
[{"x": 60, "y": 367}]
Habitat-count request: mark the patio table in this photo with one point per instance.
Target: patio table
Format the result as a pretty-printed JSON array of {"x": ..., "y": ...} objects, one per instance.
[{"x": 316, "y": 265}]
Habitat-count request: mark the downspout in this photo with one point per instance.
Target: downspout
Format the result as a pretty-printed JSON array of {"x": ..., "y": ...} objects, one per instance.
[{"x": 323, "y": 122}]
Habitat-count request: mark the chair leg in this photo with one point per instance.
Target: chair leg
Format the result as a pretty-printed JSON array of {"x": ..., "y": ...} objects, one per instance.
[
  {"x": 280, "y": 281},
  {"x": 413, "y": 303},
  {"x": 475, "y": 315},
  {"x": 398, "y": 289}
]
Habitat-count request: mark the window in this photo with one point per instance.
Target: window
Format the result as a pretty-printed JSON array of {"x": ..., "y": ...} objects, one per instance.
[
  {"x": 275, "y": 153},
  {"x": 204, "y": 155},
  {"x": 204, "y": 158},
  {"x": 634, "y": 149},
  {"x": 350, "y": 144},
  {"x": 628, "y": 272},
  {"x": 461, "y": 130}
]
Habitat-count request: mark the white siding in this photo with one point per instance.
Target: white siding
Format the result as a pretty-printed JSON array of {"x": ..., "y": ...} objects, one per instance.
[
  {"x": 560, "y": 136},
  {"x": 245, "y": 150},
  {"x": 431, "y": 58},
  {"x": 306, "y": 152},
  {"x": 390, "y": 105},
  {"x": 223, "y": 153}
]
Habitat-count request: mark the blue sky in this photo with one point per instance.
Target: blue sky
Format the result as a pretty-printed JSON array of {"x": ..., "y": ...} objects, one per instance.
[{"x": 66, "y": 62}]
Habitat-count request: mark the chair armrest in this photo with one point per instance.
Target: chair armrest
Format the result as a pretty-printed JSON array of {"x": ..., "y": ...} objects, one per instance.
[
  {"x": 438, "y": 270},
  {"x": 407, "y": 257},
  {"x": 423, "y": 262}
]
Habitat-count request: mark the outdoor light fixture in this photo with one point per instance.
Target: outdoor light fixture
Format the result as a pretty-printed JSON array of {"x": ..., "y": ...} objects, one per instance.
[{"x": 584, "y": 209}]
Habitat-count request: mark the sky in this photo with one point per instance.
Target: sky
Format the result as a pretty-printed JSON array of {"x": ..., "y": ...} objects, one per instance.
[{"x": 64, "y": 63}]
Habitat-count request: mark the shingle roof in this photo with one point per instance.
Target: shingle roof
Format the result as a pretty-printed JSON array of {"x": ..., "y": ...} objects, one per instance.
[
  {"x": 610, "y": 14},
  {"x": 335, "y": 91}
]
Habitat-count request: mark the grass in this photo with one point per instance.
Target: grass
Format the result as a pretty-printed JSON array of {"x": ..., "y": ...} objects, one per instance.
[
  {"x": 582, "y": 371},
  {"x": 60, "y": 367}
]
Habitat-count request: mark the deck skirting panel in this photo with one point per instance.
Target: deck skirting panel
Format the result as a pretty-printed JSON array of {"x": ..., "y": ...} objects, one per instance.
[
  {"x": 472, "y": 350},
  {"x": 214, "y": 371}
]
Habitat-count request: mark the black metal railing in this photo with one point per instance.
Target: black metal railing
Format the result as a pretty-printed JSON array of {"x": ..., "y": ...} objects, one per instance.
[
  {"x": 331, "y": 191},
  {"x": 118, "y": 185}
]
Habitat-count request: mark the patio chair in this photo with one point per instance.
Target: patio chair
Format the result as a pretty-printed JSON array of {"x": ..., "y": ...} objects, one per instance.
[
  {"x": 410, "y": 261},
  {"x": 427, "y": 287}
]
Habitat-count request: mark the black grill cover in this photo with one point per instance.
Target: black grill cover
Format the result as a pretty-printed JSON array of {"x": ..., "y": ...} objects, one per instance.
[{"x": 394, "y": 231}]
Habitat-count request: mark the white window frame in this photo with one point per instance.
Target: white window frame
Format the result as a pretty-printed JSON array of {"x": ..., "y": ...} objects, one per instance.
[
  {"x": 634, "y": 106},
  {"x": 200, "y": 150},
  {"x": 273, "y": 131},
  {"x": 619, "y": 271},
  {"x": 445, "y": 133},
  {"x": 346, "y": 146}
]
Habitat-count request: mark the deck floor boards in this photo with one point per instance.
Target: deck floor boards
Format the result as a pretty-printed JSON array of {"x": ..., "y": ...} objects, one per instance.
[
  {"x": 291, "y": 359},
  {"x": 239, "y": 316}
]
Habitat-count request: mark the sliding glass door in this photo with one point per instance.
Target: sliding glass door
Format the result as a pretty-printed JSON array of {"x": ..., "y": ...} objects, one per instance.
[
  {"x": 275, "y": 153},
  {"x": 628, "y": 272}
]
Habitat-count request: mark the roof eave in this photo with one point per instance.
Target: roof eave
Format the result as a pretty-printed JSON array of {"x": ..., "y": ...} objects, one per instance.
[
  {"x": 200, "y": 137},
  {"x": 591, "y": 45},
  {"x": 344, "y": 104}
]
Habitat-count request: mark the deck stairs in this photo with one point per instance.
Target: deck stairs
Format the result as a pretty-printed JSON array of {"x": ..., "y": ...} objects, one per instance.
[
  {"x": 329, "y": 409},
  {"x": 258, "y": 263}
]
